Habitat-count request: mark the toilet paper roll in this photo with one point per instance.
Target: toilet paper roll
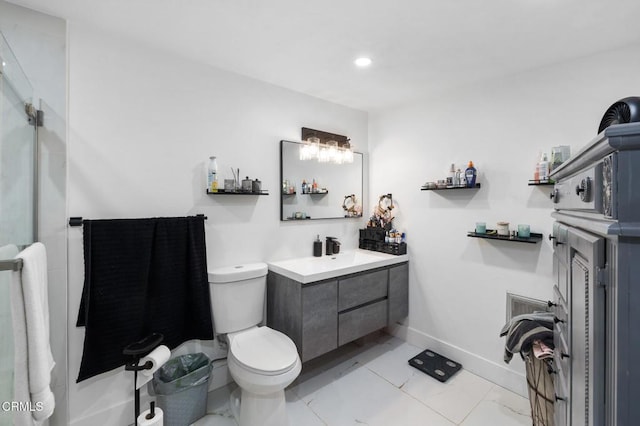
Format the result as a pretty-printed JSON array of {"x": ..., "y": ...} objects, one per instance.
[
  {"x": 158, "y": 357},
  {"x": 157, "y": 420}
]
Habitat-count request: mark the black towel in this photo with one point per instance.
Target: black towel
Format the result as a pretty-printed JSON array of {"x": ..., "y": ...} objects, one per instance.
[{"x": 142, "y": 276}]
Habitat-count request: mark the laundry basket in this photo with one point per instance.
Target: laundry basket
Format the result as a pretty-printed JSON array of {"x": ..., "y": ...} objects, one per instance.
[
  {"x": 541, "y": 391},
  {"x": 180, "y": 387}
]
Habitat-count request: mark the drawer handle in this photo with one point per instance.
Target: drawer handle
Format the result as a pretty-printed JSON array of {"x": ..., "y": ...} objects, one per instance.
[
  {"x": 557, "y": 320},
  {"x": 563, "y": 355},
  {"x": 558, "y": 398},
  {"x": 551, "y": 304}
]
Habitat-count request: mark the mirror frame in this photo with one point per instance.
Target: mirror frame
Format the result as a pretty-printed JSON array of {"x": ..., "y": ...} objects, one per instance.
[{"x": 357, "y": 154}]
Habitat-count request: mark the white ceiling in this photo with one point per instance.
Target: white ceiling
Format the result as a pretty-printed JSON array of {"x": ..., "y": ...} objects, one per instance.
[{"x": 418, "y": 47}]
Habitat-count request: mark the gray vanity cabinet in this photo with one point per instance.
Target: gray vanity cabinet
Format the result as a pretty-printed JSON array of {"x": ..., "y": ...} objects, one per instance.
[
  {"x": 322, "y": 315},
  {"x": 308, "y": 314}
]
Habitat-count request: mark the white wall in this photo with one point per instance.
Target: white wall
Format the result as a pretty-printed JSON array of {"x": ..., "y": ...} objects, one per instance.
[
  {"x": 39, "y": 43},
  {"x": 458, "y": 285},
  {"x": 142, "y": 127}
]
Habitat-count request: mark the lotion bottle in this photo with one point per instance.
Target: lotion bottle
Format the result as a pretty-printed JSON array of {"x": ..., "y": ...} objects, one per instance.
[
  {"x": 470, "y": 175},
  {"x": 212, "y": 175},
  {"x": 543, "y": 168}
]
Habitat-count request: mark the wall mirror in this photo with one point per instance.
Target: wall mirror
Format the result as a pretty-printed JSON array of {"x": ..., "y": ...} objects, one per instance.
[{"x": 338, "y": 186}]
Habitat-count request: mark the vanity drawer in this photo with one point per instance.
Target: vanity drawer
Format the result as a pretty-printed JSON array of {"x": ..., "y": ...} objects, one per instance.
[
  {"x": 361, "y": 321},
  {"x": 360, "y": 289}
]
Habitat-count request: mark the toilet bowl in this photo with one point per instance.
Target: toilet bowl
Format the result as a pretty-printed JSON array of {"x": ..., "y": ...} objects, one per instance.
[{"x": 262, "y": 361}]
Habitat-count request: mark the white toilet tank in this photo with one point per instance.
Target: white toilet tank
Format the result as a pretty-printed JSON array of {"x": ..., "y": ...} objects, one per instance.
[{"x": 237, "y": 296}]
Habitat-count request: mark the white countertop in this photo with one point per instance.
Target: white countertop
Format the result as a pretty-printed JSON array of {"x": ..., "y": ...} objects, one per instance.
[{"x": 310, "y": 269}]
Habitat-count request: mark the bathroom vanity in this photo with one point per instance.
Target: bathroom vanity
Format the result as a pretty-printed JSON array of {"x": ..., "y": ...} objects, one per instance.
[{"x": 323, "y": 303}]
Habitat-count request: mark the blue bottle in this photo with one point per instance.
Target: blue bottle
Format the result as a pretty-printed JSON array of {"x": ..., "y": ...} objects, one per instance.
[{"x": 470, "y": 175}]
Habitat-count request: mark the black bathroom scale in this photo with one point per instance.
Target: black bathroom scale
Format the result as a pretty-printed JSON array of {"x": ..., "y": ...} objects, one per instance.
[{"x": 435, "y": 365}]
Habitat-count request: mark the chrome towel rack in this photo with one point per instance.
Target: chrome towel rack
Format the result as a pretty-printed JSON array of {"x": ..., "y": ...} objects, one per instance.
[{"x": 11, "y": 265}]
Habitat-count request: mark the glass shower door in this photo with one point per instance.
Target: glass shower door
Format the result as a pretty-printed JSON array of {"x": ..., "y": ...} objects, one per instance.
[{"x": 17, "y": 198}]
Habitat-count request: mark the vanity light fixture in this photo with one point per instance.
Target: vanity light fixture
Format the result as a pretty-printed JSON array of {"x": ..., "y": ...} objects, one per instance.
[
  {"x": 330, "y": 152},
  {"x": 362, "y": 62}
]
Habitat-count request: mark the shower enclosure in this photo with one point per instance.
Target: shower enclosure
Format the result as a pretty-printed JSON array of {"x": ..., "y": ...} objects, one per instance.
[{"x": 18, "y": 195}]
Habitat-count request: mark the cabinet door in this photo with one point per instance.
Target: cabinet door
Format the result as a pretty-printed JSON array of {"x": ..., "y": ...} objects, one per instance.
[
  {"x": 319, "y": 319},
  {"x": 587, "y": 330},
  {"x": 398, "y": 293}
]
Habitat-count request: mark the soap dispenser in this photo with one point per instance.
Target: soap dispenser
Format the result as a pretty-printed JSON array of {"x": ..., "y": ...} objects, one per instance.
[{"x": 317, "y": 247}]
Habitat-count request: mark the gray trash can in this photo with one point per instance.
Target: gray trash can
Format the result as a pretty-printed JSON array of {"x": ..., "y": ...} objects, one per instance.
[{"x": 180, "y": 387}]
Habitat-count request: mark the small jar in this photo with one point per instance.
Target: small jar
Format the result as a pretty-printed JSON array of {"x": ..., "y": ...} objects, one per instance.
[{"x": 503, "y": 228}]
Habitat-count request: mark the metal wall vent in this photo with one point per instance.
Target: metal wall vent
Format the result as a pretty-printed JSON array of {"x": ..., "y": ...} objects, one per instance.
[{"x": 518, "y": 305}]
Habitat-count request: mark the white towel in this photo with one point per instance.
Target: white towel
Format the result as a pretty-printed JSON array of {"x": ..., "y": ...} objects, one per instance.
[{"x": 33, "y": 358}]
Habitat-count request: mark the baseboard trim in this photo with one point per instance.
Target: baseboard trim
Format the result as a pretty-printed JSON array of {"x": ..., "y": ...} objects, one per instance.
[{"x": 494, "y": 372}]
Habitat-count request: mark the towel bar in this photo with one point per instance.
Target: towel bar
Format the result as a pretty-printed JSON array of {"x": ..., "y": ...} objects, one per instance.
[
  {"x": 11, "y": 265},
  {"x": 77, "y": 220}
]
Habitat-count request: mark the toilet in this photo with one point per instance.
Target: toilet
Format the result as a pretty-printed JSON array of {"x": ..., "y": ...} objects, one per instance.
[{"x": 262, "y": 361}]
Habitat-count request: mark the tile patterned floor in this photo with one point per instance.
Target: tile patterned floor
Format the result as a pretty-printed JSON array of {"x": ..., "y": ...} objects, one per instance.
[{"x": 372, "y": 384}]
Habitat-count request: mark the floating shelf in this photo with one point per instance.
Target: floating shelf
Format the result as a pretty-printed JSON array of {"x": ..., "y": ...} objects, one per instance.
[
  {"x": 316, "y": 193},
  {"x": 284, "y": 194},
  {"x": 223, "y": 192},
  {"x": 294, "y": 219},
  {"x": 449, "y": 189},
  {"x": 492, "y": 235},
  {"x": 548, "y": 182}
]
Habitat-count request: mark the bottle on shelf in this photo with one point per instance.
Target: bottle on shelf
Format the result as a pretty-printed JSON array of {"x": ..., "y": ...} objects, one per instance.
[
  {"x": 212, "y": 175},
  {"x": 460, "y": 178},
  {"x": 543, "y": 168},
  {"x": 304, "y": 186},
  {"x": 451, "y": 176},
  {"x": 470, "y": 175}
]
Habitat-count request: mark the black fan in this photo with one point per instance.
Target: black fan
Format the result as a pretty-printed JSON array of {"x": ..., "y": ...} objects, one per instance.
[{"x": 626, "y": 110}]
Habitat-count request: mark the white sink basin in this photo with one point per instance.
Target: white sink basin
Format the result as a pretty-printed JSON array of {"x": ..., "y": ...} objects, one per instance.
[{"x": 310, "y": 269}]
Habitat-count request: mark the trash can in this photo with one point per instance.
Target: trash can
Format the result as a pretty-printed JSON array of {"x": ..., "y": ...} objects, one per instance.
[
  {"x": 180, "y": 387},
  {"x": 541, "y": 391}
]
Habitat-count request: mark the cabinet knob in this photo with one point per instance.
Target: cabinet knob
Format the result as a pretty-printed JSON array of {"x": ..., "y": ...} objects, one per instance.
[{"x": 563, "y": 355}]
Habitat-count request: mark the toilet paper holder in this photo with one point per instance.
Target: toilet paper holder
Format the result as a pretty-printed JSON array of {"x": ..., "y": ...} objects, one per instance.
[{"x": 137, "y": 351}]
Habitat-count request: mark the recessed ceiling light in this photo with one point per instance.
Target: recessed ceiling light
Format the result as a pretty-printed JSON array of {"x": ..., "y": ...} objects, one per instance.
[{"x": 362, "y": 62}]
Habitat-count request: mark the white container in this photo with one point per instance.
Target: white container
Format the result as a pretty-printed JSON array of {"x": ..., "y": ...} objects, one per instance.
[
  {"x": 543, "y": 168},
  {"x": 212, "y": 175},
  {"x": 503, "y": 228}
]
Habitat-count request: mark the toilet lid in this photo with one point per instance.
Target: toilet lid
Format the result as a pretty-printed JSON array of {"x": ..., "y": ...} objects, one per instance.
[{"x": 264, "y": 351}]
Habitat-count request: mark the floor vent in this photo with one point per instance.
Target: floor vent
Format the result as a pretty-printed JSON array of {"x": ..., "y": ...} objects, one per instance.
[{"x": 518, "y": 305}]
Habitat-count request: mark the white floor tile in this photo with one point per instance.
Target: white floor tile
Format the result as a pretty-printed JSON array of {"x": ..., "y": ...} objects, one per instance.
[
  {"x": 500, "y": 407},
  {"x": 359, "y": 396},
  {"x": 218, "y": 408},
  {"x": 454, "y": 399},
  {"x": 299, "y": 412}
]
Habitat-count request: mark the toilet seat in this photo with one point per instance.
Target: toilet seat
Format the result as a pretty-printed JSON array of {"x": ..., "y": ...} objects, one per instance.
[{"x": 264, "y": 351}]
